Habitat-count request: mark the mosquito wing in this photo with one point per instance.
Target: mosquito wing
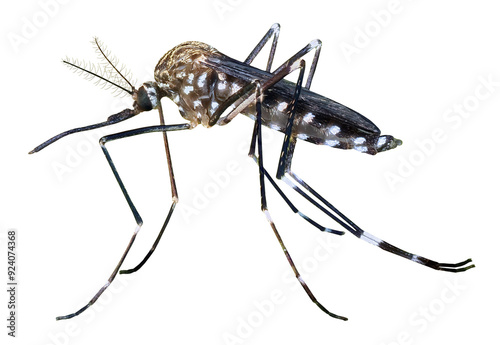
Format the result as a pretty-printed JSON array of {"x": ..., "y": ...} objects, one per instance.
[{"x": 325, "y": 110}]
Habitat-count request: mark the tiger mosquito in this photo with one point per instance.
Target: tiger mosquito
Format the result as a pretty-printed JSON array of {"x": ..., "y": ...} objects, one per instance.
[{"x": 210, "y": 89}]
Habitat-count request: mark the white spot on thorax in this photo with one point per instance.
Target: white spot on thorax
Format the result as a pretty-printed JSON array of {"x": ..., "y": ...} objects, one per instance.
[
  {"x": 201, "y": 79},
  {"x": 187, "y": 89},
  {"x": 190, "y": 78},
  {"x": 197, "y": 103},
  {"x": 302, "y": 136}
]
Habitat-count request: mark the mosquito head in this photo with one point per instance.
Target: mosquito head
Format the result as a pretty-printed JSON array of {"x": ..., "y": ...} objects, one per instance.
[
  {"x": 110, "y": 74},
  {"x": 146, "y": 97}
]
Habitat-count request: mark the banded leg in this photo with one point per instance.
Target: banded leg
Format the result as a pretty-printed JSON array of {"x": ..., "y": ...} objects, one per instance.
[
  {"x": 138, "y": 219},
  {"x": 284, "y": 168},
  {"x": 257, "y": 137},
  {"x": 175, "y": 198},
  {"x": 275, "y": 31},
  {"x": 270, "y": 179},
  {"x": 237, "y": 102},
  {"x": 244, "y": 97},
  {"x": 360, "y": 233}
]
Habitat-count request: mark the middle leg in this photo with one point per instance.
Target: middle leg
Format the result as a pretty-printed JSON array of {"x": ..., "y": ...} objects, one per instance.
[{"x": 257, "y": 138}]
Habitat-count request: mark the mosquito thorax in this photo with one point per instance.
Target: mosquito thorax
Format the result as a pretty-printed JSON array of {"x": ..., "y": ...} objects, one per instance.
[
  {"x": 183, "y": 76},
  {"x": 146, "y": 97}
]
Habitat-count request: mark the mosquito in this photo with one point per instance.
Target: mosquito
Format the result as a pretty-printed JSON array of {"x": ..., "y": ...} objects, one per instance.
[{"x": 210, "y": 89}]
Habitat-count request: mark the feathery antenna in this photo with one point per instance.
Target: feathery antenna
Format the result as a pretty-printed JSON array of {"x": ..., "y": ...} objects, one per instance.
[{"x": 108, "y": 73}]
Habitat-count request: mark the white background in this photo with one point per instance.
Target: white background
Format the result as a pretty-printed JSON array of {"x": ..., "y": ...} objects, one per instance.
[{"x": 415, "y": 61}]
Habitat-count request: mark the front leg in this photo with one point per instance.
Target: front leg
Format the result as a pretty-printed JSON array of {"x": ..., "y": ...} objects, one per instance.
[{"x": 138, "y": 219}]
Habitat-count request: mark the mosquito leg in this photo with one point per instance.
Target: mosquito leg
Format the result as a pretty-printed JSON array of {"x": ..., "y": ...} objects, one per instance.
[
  {"x": 270, "y": 179},
  {"x": 282, "y": 194},
  {"x": 175, "y": 199},
  {"x": 273, "y": 31},
  {"x": 103, "y": 141},
  {"x": 246, "y": 95},
  {"x": 243, "y": 98},
  {"x": 284, "y": 168},
  {"x": 264, "y": 203},
  {"x": 360, "y": 233}
]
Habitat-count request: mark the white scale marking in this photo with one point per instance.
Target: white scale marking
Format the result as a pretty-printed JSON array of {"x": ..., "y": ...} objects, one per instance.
[
  {"x": 282, "y": 106},
  {"x": 334, "y": 130},
  {"x": 381, "y": 141},
  {"x": 359, "y": 140},
  {"x": 370, "y": 238},
  {"x": 309, "y": 117},
  {"x": 332, "y": 143},
  {"x": 201, "y": 79},
  {"x": 235, "y": 87}
]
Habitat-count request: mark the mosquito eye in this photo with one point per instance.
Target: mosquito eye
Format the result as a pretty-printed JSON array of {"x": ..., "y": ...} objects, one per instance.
[{"x": 143, "y": 99}]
